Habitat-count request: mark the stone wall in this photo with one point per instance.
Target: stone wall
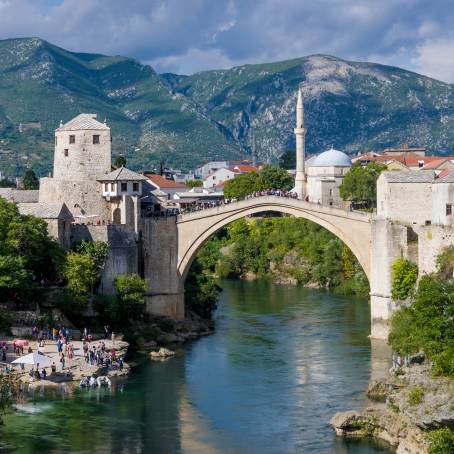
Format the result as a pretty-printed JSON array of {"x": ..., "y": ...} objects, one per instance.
[
  {"x": 81, "y": 197},
  {"x": 123, "y": 249},
  {"x": 160, "y": 254},
  {"x": 82, "y": 160}
]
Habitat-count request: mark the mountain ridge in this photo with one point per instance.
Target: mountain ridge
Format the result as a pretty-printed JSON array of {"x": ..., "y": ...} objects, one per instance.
[{"x": 185, "y": 119}]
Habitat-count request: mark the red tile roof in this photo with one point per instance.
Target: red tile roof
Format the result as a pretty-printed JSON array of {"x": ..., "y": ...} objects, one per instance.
[
  {"x": 409, "y": 159},
  {"x": 243, "y": 168},
  {"x": 443, "y": 173},
  {"x": 164, "y": 183},
  {"x": 437, "y": 162}
]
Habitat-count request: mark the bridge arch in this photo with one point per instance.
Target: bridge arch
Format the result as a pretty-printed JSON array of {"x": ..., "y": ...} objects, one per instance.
[{"x": 194, "y": 229}]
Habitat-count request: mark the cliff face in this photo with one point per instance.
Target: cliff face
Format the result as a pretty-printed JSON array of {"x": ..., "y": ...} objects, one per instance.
[{"x": 408, "y": 406}]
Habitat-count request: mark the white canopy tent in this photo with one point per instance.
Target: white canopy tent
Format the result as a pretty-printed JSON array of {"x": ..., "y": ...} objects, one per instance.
[{"x": 34, "y": 359}]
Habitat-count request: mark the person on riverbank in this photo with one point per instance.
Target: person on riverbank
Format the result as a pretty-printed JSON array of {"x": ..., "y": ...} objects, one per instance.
[
  {"x": 62, "y": 361},
  {"x": 53, "y": 368},
  {"x": 44, "y": 374}
]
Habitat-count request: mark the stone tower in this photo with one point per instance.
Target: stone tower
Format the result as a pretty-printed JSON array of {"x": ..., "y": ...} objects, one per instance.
[
  {"x": 82, "y": 149},
  {"x": 82, "y": 156},
  {"x": 300, "y": 134}
]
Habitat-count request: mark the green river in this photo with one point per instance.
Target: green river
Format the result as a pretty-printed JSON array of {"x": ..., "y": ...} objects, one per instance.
[{"x": 282, "y": 362}]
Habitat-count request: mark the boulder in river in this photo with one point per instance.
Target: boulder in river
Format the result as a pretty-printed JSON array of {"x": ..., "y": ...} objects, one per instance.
[{"x": 162, "y": 353}]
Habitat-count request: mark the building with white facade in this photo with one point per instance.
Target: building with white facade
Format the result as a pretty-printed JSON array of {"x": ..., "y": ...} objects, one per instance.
[{"x": 324, "y": 176}]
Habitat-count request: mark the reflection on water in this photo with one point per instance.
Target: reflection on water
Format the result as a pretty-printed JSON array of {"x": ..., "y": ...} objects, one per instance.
[{"x": 282, "y": 361}]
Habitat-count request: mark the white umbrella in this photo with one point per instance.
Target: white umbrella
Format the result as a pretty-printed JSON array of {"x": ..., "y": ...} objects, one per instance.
[{"x": 33, "y": 359}]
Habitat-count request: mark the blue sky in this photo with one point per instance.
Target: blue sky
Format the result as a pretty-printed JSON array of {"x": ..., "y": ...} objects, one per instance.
[{"x": 186, "y": 36}]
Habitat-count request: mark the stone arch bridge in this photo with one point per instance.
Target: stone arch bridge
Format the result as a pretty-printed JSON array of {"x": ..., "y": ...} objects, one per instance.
[{"x": 170, "y": 244}]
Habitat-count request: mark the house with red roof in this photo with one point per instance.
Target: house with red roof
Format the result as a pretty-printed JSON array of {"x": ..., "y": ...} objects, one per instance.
[
  {"x": 156, "y": 182},
  {"x": 219, "y": 177}
]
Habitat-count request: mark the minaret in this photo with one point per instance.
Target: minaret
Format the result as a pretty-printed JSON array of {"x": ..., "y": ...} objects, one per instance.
[
  {"x": 254, "y": 151},
  {"x": 300, "y": 133}
]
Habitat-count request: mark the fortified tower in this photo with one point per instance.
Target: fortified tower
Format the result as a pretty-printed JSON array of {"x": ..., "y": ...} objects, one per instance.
[
  {"x": 82, "y": 156},
  {"x": 300, "y": 134},
  {"x": 82, "y": 149}
]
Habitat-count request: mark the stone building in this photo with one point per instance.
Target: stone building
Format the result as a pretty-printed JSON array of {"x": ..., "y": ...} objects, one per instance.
[
  {"x": 82, "y": 156},
  {"x": 325, "y": 174}
]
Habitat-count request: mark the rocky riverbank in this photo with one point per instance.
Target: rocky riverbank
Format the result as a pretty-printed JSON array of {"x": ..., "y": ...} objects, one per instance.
[
  {"x": 163, "y": 331},
  {"x": 405, "y": 407},
  {"x": 75, "y": 368}
]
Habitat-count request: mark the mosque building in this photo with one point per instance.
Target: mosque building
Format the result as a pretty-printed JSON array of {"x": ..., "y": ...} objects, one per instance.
[{"x": 317, "y": 179}]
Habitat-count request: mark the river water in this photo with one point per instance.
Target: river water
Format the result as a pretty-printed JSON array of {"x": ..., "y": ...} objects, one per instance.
[{"x": 283, "y": 360}]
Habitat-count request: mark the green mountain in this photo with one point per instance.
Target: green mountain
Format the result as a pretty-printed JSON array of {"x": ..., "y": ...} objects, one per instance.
[
  {"x": 42, "y": 83},
  {"x": 186, "y": 119}
]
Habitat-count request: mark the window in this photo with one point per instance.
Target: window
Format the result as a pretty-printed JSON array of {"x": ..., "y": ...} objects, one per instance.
[
  {"x": 95, "y": 139},
  {"x": 106, "y": 187},
  {"x": 124, "y": 187},
  {"x": 72, "y": 139},
  {"x": 330, "y": 192},
  {"x": 66, "y": 152},
  {"x": 135, "y": 187},
  {"x": 55, "y": 140},
  {"x": 448, "y": 209}
]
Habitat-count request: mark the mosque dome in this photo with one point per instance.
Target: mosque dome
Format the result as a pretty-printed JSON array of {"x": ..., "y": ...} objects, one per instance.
[{"x": 332, "y": 158}]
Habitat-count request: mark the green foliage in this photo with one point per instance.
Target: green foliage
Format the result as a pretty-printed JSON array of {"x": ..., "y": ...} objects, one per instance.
[
  {"x": 81, "y": 273},
  {"x": 201, "y": 291},
  {"x": 242, "y": 185},
  {"x": 288, "y": 160},
  {"x": 272, "y": 177},
  {"x": 360, "y": 183},
  {"x": 415, "y": 396},
  {"x": 130, "y": 289},
  {"x": 194, "y": 183},
  {"x": 13, "y": 277},
  {"x": 445, "y": 263},
  {"x": 30, "y": 180},
  {"x": 120, "y": 161},
  {"x": 9, "y": 391},
  {"x": 97, "y": 250},
  {"x": 441, "y": 441},
  {"x": 404, "y": 277},
  {"x": 127, "y": 306},
  {"x": 427, "y": 324},
  {"x": 28, "y": 256},
  {"x": 269, "y": 177},
  {"x": 253, "y": 246},
  {"x": 5, "y": 183}
]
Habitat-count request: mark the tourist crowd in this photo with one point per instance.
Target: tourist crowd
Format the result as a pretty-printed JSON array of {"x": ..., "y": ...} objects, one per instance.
[{"x": 203, "y": 205}]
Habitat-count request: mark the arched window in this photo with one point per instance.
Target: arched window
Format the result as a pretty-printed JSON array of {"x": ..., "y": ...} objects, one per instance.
[{"x": 117, "y": 216}]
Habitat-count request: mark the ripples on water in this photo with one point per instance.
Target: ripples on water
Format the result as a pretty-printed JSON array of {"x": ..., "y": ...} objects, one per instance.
[{"x": 283, "y": 360}]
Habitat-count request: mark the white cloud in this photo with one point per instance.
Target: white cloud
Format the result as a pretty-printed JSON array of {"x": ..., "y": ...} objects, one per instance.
[
  {"x": 434, "y": 58},
  {"x": 192, "y": 35}
]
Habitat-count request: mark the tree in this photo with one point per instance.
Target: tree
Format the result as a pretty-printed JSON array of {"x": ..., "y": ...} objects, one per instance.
[
  {"x": 97, "y": 250},
  {"x": 120, "y": 161},
  {"x": 130, "y": 290},
  {"x": 82, "y": 273},
  {"x": 360, "y": 183},
  {"x": 30, "y": 180},
  {"x": 270, "y": 177},
  {"x": 14, "y": 278},
  {"x": 27, "y": 253},
  {"x": 404, "y": 277},
  {"x": 288, "y": 160},
  {"x": 242, "y": 185},
  {"x": 194, "y": 183}
]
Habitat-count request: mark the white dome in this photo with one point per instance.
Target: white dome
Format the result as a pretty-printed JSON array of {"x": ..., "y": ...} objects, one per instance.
[{"x": 332, "y": 158}]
